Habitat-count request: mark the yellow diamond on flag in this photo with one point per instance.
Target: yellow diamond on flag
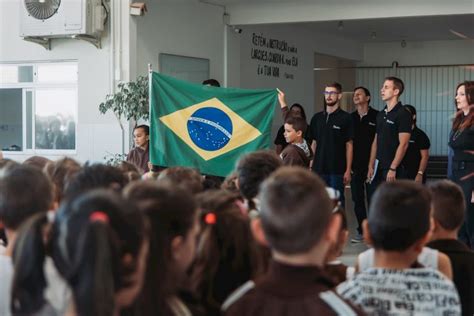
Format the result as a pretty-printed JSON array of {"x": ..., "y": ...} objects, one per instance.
[{"x": 210, "y": 128}]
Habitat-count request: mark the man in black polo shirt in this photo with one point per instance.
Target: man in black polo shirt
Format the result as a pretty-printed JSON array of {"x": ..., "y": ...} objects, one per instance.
[
  {"x": 417, "y": 155},
  {"x": 392, "y": 137},
  {"x": 332, "y": 132},
  {"x": 364, "y": 120}
]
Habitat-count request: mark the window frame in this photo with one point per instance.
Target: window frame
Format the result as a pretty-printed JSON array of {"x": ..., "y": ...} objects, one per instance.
[{"x": 33, "y": 87}]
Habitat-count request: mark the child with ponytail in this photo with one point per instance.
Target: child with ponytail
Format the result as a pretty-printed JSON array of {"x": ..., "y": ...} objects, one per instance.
[
  {"x": 174, "y": 227},
  {"x": 227, "y": 255},
  {"x": 98, "y": 243},
  {"x": 15, "y": 208}
]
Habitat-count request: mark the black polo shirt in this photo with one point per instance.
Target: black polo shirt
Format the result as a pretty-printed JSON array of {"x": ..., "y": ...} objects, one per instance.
[
  {"x": 389, "y": 125},
  {"x": 331, "y": 133},
  {"x": 418, "y": 141},
  {"x": 364, "y": 133}
]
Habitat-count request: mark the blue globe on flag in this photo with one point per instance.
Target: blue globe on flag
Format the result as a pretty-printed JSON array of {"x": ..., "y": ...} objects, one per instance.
[{"x": 210, "y": 128}]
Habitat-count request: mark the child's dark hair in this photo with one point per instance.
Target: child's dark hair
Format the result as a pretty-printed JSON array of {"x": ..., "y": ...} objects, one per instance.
[
  {"x": 171, "y": 212},
  {"x": 145, "y": 128},
  {"x": 129, "y": 170},
  {"x": 7, "y": 163},
  {"x": 230, "y": 183},
  {"x": 24, "y": 191},
  {"x": 95, "y": 242},
  {"x": 37, "y": 161},
  {"x": 448, "y": 204},
  {"x": 295, "y": 210},
  {"x": 184, "y": 177},
  {"x": 227, "y": 254},
  {"x": 211, "y": 82},
  {"x": 95, "y": 176},
  {"x": 298, "y": 123},
  {"x": 398, "y": 83},
  {"x": 399, "y": 215},
  {"x": 253, "y": 168},
  {"x": 60, "y": 172}
]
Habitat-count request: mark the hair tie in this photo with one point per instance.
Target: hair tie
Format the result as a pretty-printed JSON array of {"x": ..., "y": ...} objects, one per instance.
[
  {"x": 210, "y": 218},
  {"x": 99, "y": 216}
]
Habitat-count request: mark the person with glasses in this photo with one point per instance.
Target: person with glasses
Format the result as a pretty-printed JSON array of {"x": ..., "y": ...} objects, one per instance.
[
  {"x": 393, "y": 131},
  {"x": 332, "y": 132}
]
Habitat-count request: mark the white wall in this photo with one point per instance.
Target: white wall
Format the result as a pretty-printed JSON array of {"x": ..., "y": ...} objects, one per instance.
[
  {"x": 300, "y": 89},
  {"x": 419, "y": 53},
  {"x": 194, "y": 29},
  {"x": 96, "y": 134}
]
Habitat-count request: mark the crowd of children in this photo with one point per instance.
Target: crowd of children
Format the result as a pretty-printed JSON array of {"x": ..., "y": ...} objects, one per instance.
[{"x": 92, "y": 240}]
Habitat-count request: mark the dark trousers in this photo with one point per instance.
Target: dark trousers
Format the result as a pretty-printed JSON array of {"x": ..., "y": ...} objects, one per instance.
[
  {"x": 358, "y": 191},
  {"x": 336, "y": 181},
  {"x": 380, "y": 177},
  {"x": 466, "y": 233}
]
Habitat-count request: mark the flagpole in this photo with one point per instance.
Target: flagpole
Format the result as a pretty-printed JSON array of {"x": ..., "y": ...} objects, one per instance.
[{"x": 150, "y": 73}]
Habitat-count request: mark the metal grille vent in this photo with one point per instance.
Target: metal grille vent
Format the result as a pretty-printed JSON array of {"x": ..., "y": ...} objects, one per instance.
[{"x": 42, "y": 9}]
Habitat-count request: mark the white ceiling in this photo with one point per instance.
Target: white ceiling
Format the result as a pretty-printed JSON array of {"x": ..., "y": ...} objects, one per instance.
[
  {"x": 408, "y": 28},
  {"x": 397, "y": 29}
]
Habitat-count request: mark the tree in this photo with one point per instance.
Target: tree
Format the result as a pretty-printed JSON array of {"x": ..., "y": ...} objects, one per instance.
[{"x": 130, "y": 102}]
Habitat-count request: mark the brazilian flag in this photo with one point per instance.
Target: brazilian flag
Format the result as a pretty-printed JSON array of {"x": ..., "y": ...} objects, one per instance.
[{"x": 206, "y": 127}]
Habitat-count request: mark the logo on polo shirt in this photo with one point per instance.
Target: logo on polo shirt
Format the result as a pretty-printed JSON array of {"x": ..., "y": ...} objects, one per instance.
[
  {"x": 336, "y": 127},
  {"x": 412, "y": 141},
  {"x": 390, "y": 122},
  {"x": 372, "y": 124}
]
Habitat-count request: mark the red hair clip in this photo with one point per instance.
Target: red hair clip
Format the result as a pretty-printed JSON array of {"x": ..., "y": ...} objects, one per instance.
[
  {"x": 210, "y": 218},
  {"x": 99, "y": 216}
]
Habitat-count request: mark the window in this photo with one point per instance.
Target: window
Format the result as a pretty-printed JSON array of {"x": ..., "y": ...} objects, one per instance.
[
  {"x": 11, "y": 120},
  {"x": 38, "y": 107},
  {"x": 186, "y": 68}
]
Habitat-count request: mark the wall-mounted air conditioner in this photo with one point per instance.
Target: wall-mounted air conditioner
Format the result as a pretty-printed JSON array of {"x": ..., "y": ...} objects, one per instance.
[{"x": 47, "y": 19}]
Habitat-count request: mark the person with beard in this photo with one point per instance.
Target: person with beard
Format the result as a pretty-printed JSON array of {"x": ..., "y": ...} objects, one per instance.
[
  {"x": 333, "y": 132},
  {"x": 364, "y": 120}
]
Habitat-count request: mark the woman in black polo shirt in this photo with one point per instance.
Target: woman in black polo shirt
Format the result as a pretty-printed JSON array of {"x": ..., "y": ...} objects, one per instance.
[
  {"x": 461, "y": 140},
  {"x": 417, "y": 154}
]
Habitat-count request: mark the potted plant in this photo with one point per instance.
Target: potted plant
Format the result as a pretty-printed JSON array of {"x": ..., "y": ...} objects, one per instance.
[{"x": 129, "y": 102}]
